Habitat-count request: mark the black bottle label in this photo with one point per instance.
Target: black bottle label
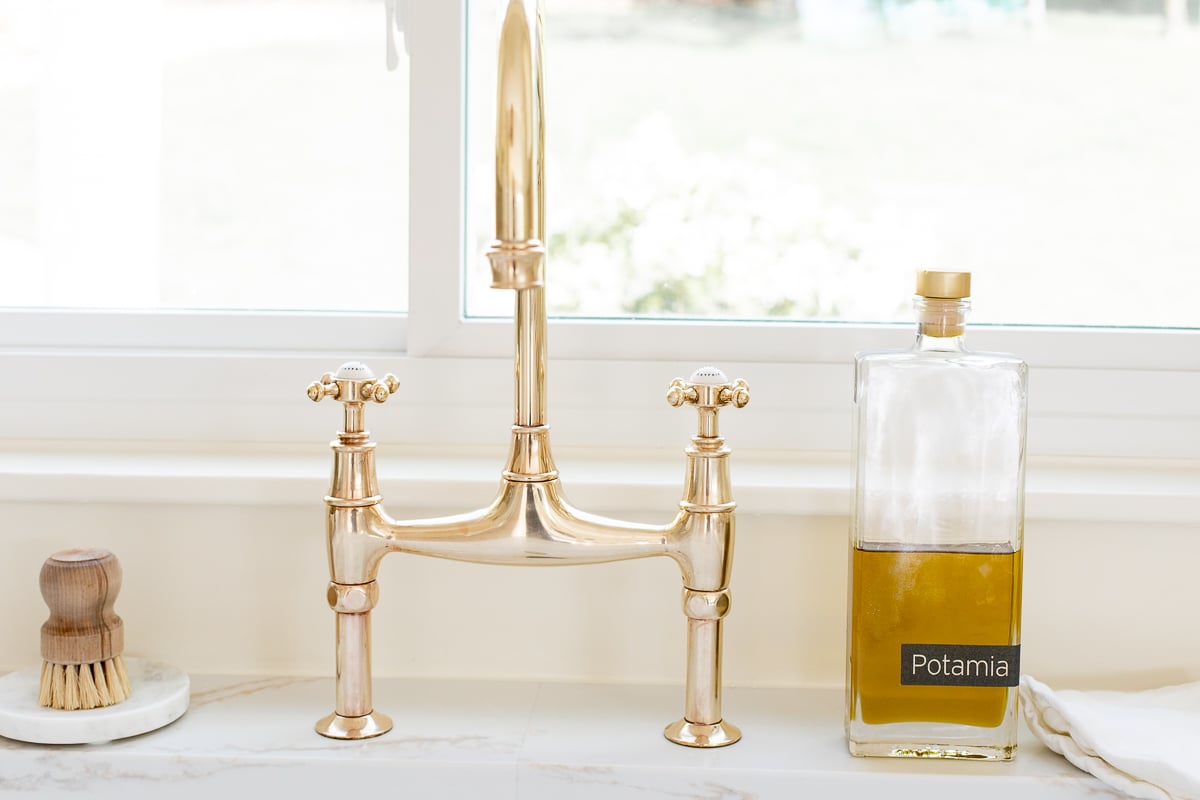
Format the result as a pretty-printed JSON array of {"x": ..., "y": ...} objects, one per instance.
[{"x": 960, "y": 665}]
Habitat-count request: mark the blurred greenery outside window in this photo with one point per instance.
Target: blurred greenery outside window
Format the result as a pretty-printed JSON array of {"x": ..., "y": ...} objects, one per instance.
[
  {"x": 706, "y": 159},
  {"x": 800, "y": 160}
]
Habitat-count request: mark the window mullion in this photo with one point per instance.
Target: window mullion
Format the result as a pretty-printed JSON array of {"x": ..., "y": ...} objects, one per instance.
[{"x": 436, "y": 39}]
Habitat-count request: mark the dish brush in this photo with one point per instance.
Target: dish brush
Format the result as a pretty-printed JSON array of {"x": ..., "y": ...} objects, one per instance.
[{"x": 83, "y": 640}]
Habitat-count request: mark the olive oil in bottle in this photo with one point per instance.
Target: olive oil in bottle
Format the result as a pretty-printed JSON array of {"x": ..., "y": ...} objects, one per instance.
[{"x": 936, "y": 542}]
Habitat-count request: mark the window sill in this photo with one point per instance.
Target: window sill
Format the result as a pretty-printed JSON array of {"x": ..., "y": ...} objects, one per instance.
[
  {"x": 515, "y": 740},
  {"x": 803, "y": 484}
]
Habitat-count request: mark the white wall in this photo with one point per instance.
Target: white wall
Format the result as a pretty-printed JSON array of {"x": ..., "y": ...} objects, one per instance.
[{"x": 240, "y": 589}]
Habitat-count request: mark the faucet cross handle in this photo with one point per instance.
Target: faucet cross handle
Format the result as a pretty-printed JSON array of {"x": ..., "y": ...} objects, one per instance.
[
  {"x": 353, "y": 383},
  {"x": 708, "y": 389}
]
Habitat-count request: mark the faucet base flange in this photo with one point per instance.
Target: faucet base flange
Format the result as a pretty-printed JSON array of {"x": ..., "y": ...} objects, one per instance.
[
  {"x": 335, "y": 726},
  {"x": 693, "y": 734}
]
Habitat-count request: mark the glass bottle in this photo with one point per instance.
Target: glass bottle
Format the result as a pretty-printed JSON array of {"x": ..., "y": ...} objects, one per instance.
[{"x": 936, "y": 541}]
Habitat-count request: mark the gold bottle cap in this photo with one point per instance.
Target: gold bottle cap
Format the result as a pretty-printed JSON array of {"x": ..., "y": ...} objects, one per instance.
[{"x": 944, "y": 285}]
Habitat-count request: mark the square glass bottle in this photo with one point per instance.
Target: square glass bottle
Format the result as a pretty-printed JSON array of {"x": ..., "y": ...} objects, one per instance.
[{"x": 936, "y": 534}]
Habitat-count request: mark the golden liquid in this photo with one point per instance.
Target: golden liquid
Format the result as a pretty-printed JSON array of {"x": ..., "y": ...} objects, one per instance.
[{"x": 929, "y": 597}]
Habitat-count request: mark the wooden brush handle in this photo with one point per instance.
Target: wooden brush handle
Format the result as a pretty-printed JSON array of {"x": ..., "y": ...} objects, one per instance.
[{"x": 80, "y": 586}]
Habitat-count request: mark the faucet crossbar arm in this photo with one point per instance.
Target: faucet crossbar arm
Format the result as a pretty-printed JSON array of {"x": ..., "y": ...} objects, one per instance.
[{"x": 530, "y": 524}]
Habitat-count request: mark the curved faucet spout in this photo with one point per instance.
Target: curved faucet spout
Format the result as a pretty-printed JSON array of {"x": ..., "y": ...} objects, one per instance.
[
  {"x": 518, "y": 253},
  {"x": 520, "y": 197}
]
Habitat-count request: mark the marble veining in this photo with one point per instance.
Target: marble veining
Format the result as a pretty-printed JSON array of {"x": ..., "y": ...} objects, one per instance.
[
  {"x": 512, "y": 741},
  {"x": 610, "y": 779},
  {"x": 243, "y": 689}
]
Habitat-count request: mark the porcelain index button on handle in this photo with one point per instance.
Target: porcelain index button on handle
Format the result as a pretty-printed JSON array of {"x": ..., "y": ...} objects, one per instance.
[
  {"x": 708, "y": 376},
  {"x": 354, "y": 371}
]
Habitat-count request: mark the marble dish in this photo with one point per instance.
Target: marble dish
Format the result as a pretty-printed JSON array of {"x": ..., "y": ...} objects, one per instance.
[{"x": 160, "y": 696}]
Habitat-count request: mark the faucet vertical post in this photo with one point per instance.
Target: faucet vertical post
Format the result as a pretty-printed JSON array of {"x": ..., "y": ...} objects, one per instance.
[
  {"x": 353, "y": 663},
  {"x": 702, "y": 707},
  {"x": 705, "y": 554},
  {"x": 354, "y": 715},
  {"x": 353, "y": 559},
  {"x": 518, "y": 254}
]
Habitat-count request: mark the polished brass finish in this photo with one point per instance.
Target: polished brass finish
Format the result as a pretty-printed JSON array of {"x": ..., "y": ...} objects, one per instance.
[
  {"x": 942, "y": 303},
  {"x": 520, "y": 107},
  {"x": 517, "y": 266},
  {"x": 530, "y": 521},
  {"x": 357, "y": 598},
  {"x": 692, "y": 735},
  {"x": 353, "y": 384},
  {"x": 367, "y": 726},
  {"x": 319, "y": 390},
  {"x": 943, "y": 285},
  {"x": 529, "y": 457},
  {"x": 705, "y": 605}
]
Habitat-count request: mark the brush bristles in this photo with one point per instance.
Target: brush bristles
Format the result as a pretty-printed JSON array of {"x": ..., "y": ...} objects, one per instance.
[{"x": 74, "y": 687}]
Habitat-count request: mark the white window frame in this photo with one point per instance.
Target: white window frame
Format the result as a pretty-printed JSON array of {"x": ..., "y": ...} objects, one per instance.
[{"x": 203, "y": 376}]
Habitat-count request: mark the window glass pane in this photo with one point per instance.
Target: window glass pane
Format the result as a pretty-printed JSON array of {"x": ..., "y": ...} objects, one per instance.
[
  {"x": 800, "y": 159},
  {"x": 214, "y": 154}
]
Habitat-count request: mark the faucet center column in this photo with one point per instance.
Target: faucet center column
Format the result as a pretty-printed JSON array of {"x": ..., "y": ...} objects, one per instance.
[{"x": 517, "y": 255}]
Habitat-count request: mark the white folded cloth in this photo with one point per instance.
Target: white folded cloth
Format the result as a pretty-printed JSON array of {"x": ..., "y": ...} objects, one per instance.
[{"x": 1146, "y": 744}]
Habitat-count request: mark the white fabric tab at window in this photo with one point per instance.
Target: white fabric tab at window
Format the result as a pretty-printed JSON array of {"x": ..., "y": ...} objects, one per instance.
[{"x": 397, "y": 20}]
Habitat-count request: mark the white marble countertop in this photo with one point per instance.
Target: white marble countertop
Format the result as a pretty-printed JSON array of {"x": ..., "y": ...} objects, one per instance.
[{"x": 472, "y": 739}]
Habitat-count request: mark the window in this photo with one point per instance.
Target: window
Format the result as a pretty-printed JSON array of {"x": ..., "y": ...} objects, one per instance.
[
  {"x": 799, "y": 161},
  {"x": 1110, "y": 392},
  {"x": 192, "y": 154}
]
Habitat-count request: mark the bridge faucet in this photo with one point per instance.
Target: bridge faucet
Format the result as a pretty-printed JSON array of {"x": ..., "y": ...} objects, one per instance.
[{"x": 530, "y": 521}]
